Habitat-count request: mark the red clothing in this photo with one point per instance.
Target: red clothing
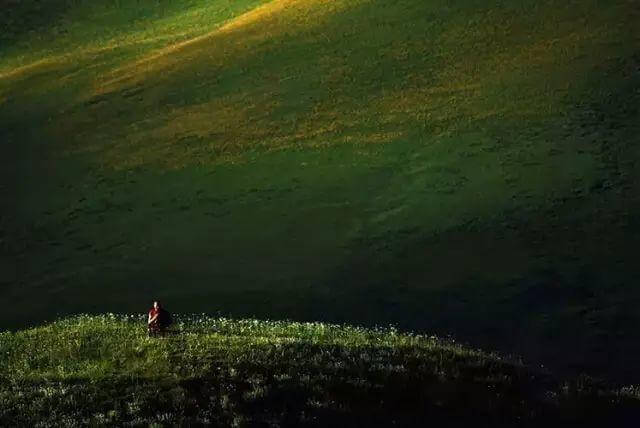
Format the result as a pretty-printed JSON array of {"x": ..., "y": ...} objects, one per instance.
[{"x": 161, "y": 322}]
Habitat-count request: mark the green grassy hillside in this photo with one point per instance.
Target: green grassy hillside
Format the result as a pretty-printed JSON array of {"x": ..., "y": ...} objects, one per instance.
[
  {"x": 466, "y": 169},
  {"x": 104, "y": 371}
]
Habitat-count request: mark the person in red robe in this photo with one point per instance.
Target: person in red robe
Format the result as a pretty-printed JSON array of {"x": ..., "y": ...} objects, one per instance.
[{"x": 158, "y": 321}]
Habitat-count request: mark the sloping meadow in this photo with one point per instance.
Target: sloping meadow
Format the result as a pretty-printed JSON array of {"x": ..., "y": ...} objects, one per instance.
[
  {"x": 467, "y": 169},
  {"x": 104, "y": 370}
]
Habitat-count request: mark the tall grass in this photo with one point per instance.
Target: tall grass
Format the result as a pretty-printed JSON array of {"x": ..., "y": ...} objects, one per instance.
[{"x": 105, "y": 370}]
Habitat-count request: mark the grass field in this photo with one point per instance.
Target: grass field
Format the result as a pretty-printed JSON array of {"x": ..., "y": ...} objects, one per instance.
[
  {"x": 104, "y": 371},
  {"x": 467, "y": 170}
]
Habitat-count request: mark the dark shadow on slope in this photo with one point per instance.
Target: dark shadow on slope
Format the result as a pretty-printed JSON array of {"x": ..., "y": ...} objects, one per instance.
[{"x": 555, "y": 283}]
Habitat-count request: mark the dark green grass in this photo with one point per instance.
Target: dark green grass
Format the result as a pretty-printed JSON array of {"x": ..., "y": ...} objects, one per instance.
[
  {"x": 468, "y": 170},
  {"x": 103, "y": 370}
]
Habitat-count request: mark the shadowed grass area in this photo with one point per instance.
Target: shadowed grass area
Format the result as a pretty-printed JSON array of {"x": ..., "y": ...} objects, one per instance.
[
  {"x": 465, "y": 169},
  {"x": 104, "y": 370}
]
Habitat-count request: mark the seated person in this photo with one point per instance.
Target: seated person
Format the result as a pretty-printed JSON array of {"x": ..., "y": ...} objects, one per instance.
[{"x": 159, "y": 319}]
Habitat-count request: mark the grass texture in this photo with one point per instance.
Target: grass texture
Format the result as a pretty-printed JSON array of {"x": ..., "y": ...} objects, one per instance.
[{"x": 103, "y": 370}]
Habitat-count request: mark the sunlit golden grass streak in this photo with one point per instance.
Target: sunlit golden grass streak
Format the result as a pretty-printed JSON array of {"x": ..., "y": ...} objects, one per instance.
[
  {"x": 232, "y": 124},
  {"x": 558, "y": 47},
  {"x": 460, "y": 88},
  {"x": 172, "y": 29},
  {"x": 457, "y": 91},
  {"x": 53, "y": 62},
  {"x": 231, "y": 40},
  {"x": 40, "y": 65},
  {"x": 227, "y": 127},
  {"x": 449, "y": 94}
]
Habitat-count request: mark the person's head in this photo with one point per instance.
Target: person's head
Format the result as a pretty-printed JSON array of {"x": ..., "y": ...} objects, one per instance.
[{"x": 156, "y": 304}]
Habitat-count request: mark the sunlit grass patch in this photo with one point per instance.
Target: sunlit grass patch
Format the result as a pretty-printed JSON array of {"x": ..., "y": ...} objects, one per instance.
[
  {"x": 37, "y": 65},
  {"x": 232, "y": 40},
  {"x": 103, "y": 369},
  {"x": 111, "y": 26},
  {"x": 456, "y": 88}
]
